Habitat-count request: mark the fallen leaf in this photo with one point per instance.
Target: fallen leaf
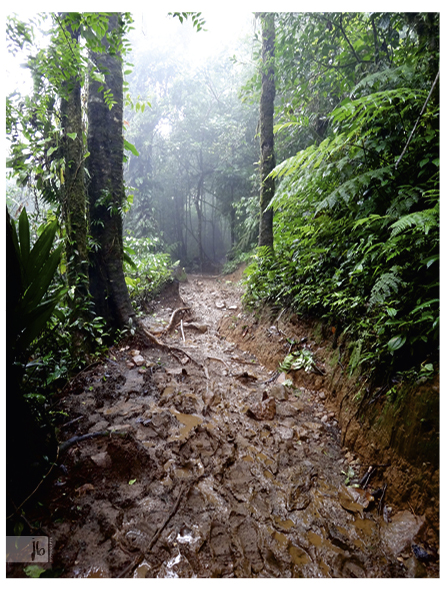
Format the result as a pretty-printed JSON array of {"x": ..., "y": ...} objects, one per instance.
[
  {"x": 354, "y": 500},
  {"x": 84, "y": 489}
]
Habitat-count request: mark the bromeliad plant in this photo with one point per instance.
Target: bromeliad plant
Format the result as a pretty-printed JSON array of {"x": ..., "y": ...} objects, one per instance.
[
  {"x": 30, "y": 273},
  {"x": 30, "y": 300}
]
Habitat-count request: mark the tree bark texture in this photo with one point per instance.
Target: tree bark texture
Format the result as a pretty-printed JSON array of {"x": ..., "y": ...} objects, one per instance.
[
  {"x": 106, "y": 189},
  {"x": 74, "y": 195},
  {"x": 267, "y": 157}
]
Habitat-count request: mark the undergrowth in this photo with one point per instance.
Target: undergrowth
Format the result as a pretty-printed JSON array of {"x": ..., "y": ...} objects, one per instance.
[
  {"x": 356, "y": 236},
  {"x": 147, "y": 269}
]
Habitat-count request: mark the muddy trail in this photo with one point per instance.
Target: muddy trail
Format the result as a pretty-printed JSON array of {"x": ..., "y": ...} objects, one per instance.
[{"x": 197, "y": 461}]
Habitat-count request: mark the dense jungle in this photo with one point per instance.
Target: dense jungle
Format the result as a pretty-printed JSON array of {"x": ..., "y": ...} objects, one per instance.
[{"x": 222, "y": 295}]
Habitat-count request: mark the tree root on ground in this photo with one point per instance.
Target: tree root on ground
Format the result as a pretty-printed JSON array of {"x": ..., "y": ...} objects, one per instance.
[
  {"x": 169, "y": 348},
  {"x": 173, "y": 318},
  {"x": 184, "y": 491}
]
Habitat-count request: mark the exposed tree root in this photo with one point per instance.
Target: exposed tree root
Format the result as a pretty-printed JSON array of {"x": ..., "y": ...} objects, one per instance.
[
  {"x": 78, "y": 438},
  {"x": 158, "y": 532},
  {"x": 172, "y": 350},
  {"x": 173, "y": 318}
]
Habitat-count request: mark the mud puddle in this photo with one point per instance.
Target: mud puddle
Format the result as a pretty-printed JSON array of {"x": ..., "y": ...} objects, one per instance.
[{"x": 208, "y": 468}]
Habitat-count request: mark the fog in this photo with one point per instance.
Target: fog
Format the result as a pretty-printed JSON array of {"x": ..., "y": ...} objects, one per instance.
[{"x": 194, "y": 135}]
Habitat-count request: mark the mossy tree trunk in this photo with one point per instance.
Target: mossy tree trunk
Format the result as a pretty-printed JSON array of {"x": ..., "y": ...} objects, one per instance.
[
  {"x": 74, "y": 195},
  {"x": 267, "y": 157},
  {"x": 106, "y": 188}
]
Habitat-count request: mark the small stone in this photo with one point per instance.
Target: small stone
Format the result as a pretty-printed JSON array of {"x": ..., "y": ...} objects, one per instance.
[
  {"x": 130, "y": 364},
  {"x": 284, "y": 432},
  {"x": 281, "y": 378},
  {"x": 220, "y": 305},
  {"x": 322, "y": 395},
  {"x": 102, "y": 459},
  {"x": 138, "y": 360},
  {"x": 233, "y": 307},
  {"x": 134, "y": 352},
  {"x": 263, "y": 411},
  {"x": 278, "y": 391}
]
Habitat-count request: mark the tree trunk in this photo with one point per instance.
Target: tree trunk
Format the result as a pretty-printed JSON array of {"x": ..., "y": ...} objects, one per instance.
[
  {"x": 106, "y": 189},
  {"x": 74, "y": 195},
  {"x": 198, "y": 206},
  {"x": 232, "y": 218},
  {"x": 267, "y": 158}
]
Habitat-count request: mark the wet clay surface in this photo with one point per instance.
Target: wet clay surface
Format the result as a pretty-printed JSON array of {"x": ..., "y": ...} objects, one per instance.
[{"x": 203, "y": 467}]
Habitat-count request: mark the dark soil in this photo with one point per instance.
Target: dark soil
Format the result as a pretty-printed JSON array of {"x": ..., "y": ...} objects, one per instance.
[{"x": 206, "y": 462}]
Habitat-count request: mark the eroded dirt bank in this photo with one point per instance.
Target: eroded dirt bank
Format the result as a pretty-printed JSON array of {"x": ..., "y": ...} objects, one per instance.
[{"x": 204, "y": 463}]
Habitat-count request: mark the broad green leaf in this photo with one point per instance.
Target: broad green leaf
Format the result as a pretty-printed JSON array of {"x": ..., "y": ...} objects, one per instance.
[
  {"x": 41, "y": 281},
  {"x": 130, "y": 281},
  {"x": 24, "y": 236},
  {"x": 35, "y": 323},
  {"x": 41, "y": 249},
  {"x": 396, "y": 343},
  {"x": 33, "y": 571},
  {"x": 130, "y": 147}
]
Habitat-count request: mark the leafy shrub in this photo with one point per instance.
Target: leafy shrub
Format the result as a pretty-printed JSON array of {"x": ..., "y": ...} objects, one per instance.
[
  {"x": 146, "y": 268},
  {"x": 357, "y": 237}
]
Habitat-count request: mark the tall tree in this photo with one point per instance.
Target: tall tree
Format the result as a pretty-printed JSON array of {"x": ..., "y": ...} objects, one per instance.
[
  {"x": 106, "y": 188},
  {"x": 73, "y": 190},
  {"x": 267, "y": 158}
]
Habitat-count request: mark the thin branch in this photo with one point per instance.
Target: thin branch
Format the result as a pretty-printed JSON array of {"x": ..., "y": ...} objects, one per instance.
[
  {"x": 418, "y": 120},
  {"x": 358, "y": 59}
]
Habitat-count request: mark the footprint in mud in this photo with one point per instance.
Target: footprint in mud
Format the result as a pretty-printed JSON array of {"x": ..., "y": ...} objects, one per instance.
[
  {"x": 248, "y": 535},
  {"x": 220, "y": 543}
]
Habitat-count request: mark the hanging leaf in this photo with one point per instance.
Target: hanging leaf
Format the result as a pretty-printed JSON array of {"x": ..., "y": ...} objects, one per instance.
[
  {"x": 396, "y": 343},
  {"x": 130, "y": 147}
]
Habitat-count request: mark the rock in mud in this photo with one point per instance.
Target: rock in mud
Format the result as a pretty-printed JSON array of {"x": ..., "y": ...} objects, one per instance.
[
  {"x": 400, "y": 533},
  {"x": 279, "y": 392},
  {"x": 263, "y": 411},
  {"x": 102, "y": 459}
]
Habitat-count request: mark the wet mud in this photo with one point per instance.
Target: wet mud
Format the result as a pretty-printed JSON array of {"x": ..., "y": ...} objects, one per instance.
[{"x": 211, "y": 465}]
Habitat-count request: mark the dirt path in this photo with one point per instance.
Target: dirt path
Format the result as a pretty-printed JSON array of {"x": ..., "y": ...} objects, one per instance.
[{"x": 204, "y": 469}]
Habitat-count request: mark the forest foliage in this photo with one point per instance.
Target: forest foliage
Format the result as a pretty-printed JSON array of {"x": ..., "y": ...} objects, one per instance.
[{"x": 356, "y": 207}]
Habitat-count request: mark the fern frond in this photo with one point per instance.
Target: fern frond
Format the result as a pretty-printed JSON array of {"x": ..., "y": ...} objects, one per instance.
[
  {"x": 353, "y": 187},
  {"x": 386, "y": 285},
  {"x": 424, "y": 221},
  {"x": 387, "y": 77}
]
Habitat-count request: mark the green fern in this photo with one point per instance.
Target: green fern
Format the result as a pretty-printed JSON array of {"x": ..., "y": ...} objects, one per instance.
[
  {"x": 386, "y": 285},
  {"x": 425, "y": 221}
]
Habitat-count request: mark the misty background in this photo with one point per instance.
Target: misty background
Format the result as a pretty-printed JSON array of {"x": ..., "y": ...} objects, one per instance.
[{"x": 193, "y": 183}]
